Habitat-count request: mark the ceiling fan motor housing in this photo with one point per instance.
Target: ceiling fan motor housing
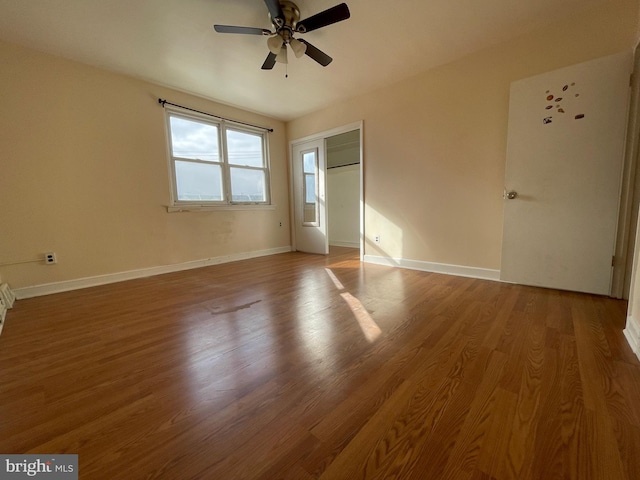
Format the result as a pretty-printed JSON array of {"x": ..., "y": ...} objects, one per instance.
[{"x": 291, "y": 14}]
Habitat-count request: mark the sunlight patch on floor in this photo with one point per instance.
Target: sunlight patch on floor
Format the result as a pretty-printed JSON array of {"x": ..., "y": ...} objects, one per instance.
[
  {"x": 334, "y": 279},
  {"x": 369, "y": 327}
]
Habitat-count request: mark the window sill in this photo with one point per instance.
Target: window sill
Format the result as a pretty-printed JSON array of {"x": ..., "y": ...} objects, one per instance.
[{"x": 216, "y": 208}]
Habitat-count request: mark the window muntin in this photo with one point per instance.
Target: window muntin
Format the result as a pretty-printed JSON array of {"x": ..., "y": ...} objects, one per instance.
[{"x": 217, "y": 162}]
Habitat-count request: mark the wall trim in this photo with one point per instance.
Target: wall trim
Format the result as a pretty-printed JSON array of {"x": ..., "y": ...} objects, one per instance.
[
  {"x": 632, "y": 333},
  {"x": 67, "y": 285},
  {"x": 458, "y": 270}
]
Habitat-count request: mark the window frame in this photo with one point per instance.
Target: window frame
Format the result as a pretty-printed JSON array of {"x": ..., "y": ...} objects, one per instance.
[{"x": 222, "y": 126}]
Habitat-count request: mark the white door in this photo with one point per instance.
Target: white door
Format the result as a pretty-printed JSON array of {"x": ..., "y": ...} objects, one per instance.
[
  {"x": 562, "y": 183},
  {"x": 309, "y": 198}
]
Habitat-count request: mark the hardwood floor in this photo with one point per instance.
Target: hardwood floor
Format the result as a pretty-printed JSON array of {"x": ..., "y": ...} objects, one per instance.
[{"x": 298, "y": 366}]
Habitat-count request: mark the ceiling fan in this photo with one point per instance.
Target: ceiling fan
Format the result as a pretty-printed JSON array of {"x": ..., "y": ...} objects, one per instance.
[{"x": 285, "y": 17}]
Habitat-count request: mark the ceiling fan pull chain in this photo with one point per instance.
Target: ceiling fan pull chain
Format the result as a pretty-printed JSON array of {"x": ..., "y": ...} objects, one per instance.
[{"x": 286, "y": 70}]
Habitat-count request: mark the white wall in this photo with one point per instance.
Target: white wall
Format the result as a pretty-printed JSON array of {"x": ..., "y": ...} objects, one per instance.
[
  {"x": 343, "y": 202},
  {"x": 85, "y": 174},
  {"x": 435, "y": 144}
]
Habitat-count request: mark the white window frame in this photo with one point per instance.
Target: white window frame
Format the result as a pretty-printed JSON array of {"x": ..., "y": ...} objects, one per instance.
[{"x": 222, "y": 126}]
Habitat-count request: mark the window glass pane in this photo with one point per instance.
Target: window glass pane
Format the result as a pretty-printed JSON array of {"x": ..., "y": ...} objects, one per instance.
[
  {"x": 244, "y": 149},
  {"x": 309, "y": 162},
  {"x": 310, "y": 188},
  {"x": 247, "y": 185},
  {"x": 198, "y": 181},
  {"x": 191, "y": 139}
]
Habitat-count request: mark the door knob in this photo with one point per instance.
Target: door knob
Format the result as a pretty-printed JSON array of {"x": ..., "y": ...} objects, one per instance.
[{"x": 511, "y": 195}]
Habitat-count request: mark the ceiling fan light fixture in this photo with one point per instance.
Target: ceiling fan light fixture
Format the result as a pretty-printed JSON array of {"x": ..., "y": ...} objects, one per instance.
[
  {"x": 298, "y": 47},
  {"x": 282, "y": 55},
  {"x": 275, "y": 44}
]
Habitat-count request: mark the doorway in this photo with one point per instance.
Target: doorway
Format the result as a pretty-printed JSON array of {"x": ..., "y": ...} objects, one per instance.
[{"x": 334, "y": 188}]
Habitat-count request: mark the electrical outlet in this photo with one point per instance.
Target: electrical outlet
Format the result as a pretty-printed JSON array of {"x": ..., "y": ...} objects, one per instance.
[
  {"x": 376, "y": 239},
  {"x": 50, "y": 258}
]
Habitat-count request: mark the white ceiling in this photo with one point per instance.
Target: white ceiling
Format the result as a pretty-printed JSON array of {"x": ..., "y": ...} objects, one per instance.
[{"x": 172, "y": 42}]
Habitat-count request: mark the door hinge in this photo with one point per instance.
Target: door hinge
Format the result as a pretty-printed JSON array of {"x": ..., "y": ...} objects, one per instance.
[{"x": 613, "y": 261}]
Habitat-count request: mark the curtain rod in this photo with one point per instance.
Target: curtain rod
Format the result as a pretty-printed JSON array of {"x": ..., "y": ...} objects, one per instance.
[{"x": 164, "y": 102}]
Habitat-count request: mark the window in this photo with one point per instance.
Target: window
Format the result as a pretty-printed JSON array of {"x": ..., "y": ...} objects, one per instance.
[
  {"x": 217, "y": 162},
  {"x": 309, "y": 169},
  {"x": 310, "y": 187}
]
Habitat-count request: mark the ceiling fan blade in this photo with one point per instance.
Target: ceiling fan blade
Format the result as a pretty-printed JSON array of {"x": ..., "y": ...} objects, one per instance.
[
  {"x": 318, "y": 55},
  {"x": 244, "y": 30},
  {"x": 275, "y": 10},
  {"x": 269, "y": 62},
  {"x": 322, "y": 19}
]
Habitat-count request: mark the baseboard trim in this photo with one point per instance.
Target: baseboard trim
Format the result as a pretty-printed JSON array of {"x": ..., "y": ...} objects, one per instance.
[
  {"x": 345, "y": 244},
  {"x": 68, "y": 285},
  {"x": 458, "y": 270},
  {"x": 632, "y": 333}
]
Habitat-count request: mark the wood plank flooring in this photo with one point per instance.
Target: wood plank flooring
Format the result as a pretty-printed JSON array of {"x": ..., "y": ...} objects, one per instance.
[{"x": 297, "y": 366}]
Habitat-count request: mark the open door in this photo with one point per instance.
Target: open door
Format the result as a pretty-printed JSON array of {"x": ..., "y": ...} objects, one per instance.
[
  {"x": 564, "y": 158},
  {"x": 309, "y": 197}
]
